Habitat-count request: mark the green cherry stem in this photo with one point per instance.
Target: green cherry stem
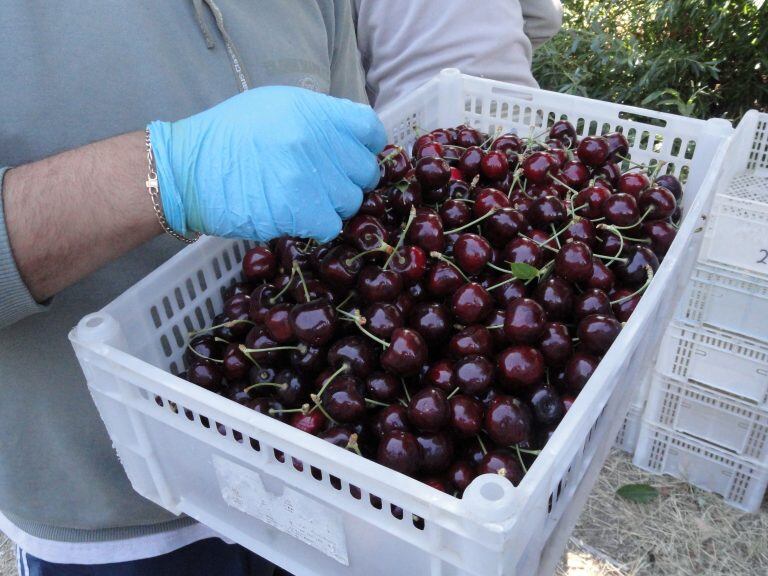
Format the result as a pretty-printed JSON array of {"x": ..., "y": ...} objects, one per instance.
[
  {"x": 303, "y": 283},
  {"x": 520, "y": 459},
  {"x": 260, "y": 384},
  {"x": 555, "y": 235},
  {"x": 382, "y": 247},
  {"x": 316, "y": 399},
  {"x": 344, "y": 367},
  {"x": 475, "y": 221},
  {"x": 359, "y": 320},
  {"x": 227, "y": 324},
  {"x": 411, "y": 216},
  {"x": 649, "y": 278},
  {"x": 453, "y": 392},
  {"x": 449, "y": 262},
  {"x": 352, "y": 444},
  {"x": 196, "y": 353},
  {"x": 405, "y": 388},
  {"x": 287, "y": 285},
  {"x": 376, "y": 403},
  {"x": 482, "y": 444}
]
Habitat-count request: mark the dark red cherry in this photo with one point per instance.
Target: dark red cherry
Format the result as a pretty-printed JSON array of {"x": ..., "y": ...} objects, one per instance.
[
  {"x": 337, "y": 435},
  {"x": 410, "y": 262},
  {"x": 237, "y": 308},
  {"x": 473, "y": 374},
  {"x": 591, "y": 301},
  {"x": 504, "y": 225},
  {"x": 574, "y": 173},
  {"x": 574, "y": 262},
  {"x": 205, "y": 374},
  {"x": 237, "y": 288},
  {"x": 494, "y": 165},
  {"x": 382, "y": 386},
  {"x": 471, "y": 303},
  {"x": 621, "y": 209},
  {"x": 470, "y": 161},
  {"x": 377, "y": 285},
  {"x": 440, "y": 375},
  {"x": 510, "y": 290},
  {"x": 278, "y": 323},
  {"x": 633, "y": 183},
  {"x": 624, "y": 303},
  {"x": 364, "y": 232},
  {"x": 466, "y": 416},
  {"x": 294, "y": 390},
  {"x": 472, "y": 340},
  {"x": 259, "y": 339},
  {"x": 406, "y": 352},
  {"x": 523, "y": 250},
  {"x": 593, "y": 150},
  {"x": 404, "y": 198},
  {"x": 262, "y": 299},
  {"x": 466, "y": 137},
  {"x": 382, "y": 319},
  {"x": 373, "y": 205},
  {"x": 581, "y": 229},
  {"x": 390, "y": 419},
  {"x": 609, "y": 172},
  {"x": 436, "y": 452},
  {"x": 520, "y": 367},
  {"x": 432, "y": 173},
  {"x": 399, "y": 451},
  {"x": 431, "y": 320},
  {"x": 461, "y": 474},
  {"x": 538, "y": 166},
  {"x": 608, "y": 243},
  {"x": 556, "y": 345},
  {"x": 426, "y": 231},
  {"x": 597, "y": 332},
  {"x": 429, "y": 409},
  {"x": 471, "y": 252},
  {"x": 455, "y": 213},
  {"x": 204, "y": 347},
  {"x": 524, "y": 321},
  {"x": 661, "y": 235},
  {"x": 313, "y": 322},
  {"x": 602, "y": 277},
  {"x": 658, "y": 202},
  {"x": 311, "y": 423},
  {"x": 507, "y": 143},
  {"x": 547, "y": 211},
  {"x": 308, "y": 360},
  {"x": 495, "y": 324},
  {"x": 564, "y": 131},
  {"x": 442, "y": 136},
  {"x": 259, "y": 263},
  {"x": 579, "y": 369},
  {"x": 339, "y": 268},
  {"x": 503, "y": 463},
  {"x": 356, "y": 352},
  {"x": 589, "y": 201},
  {"x": 618, "y": 146},
  {"x": 546, "y": 405},
  {"x": 430, "y": 149},
  {"x": 671, "y": 183},
  {"x": 443, "y": 279},
  {"x": 508, "y": 421},
  {"x": 393, "y": 164},
  {"x": 634, "y": 269},
  {"x": 487, "y": 200},
  {"x": 343, "y": 402}
]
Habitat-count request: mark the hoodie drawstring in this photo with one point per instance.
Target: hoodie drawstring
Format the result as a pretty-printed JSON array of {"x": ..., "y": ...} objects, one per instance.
[{"x": 238, "y": 68}]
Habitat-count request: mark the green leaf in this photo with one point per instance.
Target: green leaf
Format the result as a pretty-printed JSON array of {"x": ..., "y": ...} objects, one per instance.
[
  {"x": 642, "y": 493},
  {"x": 523, "y": 271}
]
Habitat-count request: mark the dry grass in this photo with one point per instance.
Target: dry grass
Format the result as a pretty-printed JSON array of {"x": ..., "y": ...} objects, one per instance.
[{"x": 685, "y": 532}]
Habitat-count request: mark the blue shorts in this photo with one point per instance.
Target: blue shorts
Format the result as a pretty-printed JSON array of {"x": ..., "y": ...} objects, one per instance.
[{"x": 210, "y": 557}]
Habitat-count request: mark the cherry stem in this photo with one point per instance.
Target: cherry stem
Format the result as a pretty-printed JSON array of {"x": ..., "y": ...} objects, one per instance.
[
  {"x": 453, "y": 392},
  {"x": 359, "y": 320},
  {"x": 376, "y": 403},
  {"x": 495, "y": 326},
  {"x": 304, "y": 410},
  {"x": 615, "y": 231},
  {"x": 520, "y": 458},
  {"x": 610, "y": 258},
  {"x": 473, "y": 222},
  {"x": 482, "y": 445},
  {"x": 555, "y": 235},
  {"x": 411, "y": 216},
  {"x": 382, "y": 247},
  {"x": 389, "y": 156},
  {"x": 450, "y": 262},
  {"x": 248, "y": 351},
  {"x": 303, "y": 283},
  {"x": 316, "y": 399},
  {"x": 259, "y": 384},
  {"x": 407, "y": 394},
  {"x": 352, "y": 444},
  {"x": 491, "y": 139},
  {"x": 632, "y": 162},
  {"x": 285, "y": 288},
  {"x": 502, "y": 283},
  {"x": 196, "y": 353},
  {"x": 540, "y": 244},
  {"x": 515, "y": 180},
  {"x": 640, "y": 221},
  {"x": 564, "y": 184},
  {"x": 543, "y": 272},
  {"x": 347, "y": 299},
  {"x": 227, "y": 324},
  {"x": 640, "y": 290},
  {"x": 344, "y": 367},
  {"x": 657, "y": 169}
]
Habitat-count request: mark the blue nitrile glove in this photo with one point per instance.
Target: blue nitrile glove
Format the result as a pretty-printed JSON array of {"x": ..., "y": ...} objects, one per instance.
[{"x": 267, "y": 162}]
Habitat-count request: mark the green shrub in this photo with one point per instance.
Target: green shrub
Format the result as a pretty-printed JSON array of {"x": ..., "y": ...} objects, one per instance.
[{"x": 702, "y": 58}]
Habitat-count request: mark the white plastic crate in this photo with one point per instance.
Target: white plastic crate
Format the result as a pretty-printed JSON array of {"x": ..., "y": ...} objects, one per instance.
[
  {"x": 740, "y": 482},
  {"x": 737, "y": 233},
  {"x": 726, "y": 300},
  {"x": 314, "y": 508},
  {"x": 737, "y": 366},
  {"x": 626, "y": 439},
  {"x": 701, "y": 413}
]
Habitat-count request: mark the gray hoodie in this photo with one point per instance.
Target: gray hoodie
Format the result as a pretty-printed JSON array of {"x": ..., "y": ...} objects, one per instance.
[{"x": 73, "y": 73}]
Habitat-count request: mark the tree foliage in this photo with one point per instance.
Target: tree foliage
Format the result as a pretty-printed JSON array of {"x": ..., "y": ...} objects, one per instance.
[{"x": 701, "y": 58}]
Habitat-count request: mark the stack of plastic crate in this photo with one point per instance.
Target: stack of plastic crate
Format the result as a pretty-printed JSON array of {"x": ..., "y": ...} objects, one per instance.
[{"x": 706, "y": 417}]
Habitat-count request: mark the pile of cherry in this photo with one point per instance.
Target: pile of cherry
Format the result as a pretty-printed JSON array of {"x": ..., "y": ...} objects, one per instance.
[{"x": 448, "y": 329}]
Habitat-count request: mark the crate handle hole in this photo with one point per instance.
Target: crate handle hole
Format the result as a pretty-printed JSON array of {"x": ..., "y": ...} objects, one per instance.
[
  {"x": 94, "y": 322},
  {"x": 492, "y": 492}
]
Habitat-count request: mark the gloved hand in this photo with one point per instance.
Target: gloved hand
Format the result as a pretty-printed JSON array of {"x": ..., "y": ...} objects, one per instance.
[{"x": 267, "y": 162}]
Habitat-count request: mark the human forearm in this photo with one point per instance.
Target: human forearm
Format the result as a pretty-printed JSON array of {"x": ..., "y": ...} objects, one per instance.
[{"x": 71, "y": 213}]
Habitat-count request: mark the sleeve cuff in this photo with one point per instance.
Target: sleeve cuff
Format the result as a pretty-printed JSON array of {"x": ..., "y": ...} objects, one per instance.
[{"x": 16, "y": 302}]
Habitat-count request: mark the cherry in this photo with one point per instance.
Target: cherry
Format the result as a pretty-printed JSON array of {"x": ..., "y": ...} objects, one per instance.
[
  {"x": 461, "y": 474},
  {"x": 382, "y": 319},
  {"x": 633, "y": 183},
  {"x": 404, "y": 198},
  {"x": 581, "y": 229},
  {"x": 337, "y": 435},
  {"x": 410, "y": 262},
  {"x": 487, "y": 200},
  {"x": 259, "y": 375},
  {"x": 591, "y": 301},
  {"x": 661, "y": 235},
  {"x": 311, "y": 422},
  {"x": 472, "y": 253},
  {"x": 426, "y": 231},
  {"x": 377, "y": 285},
  {"x": 406, "y": 352},
  {"x": 547, "y": 210},
  {"x": 503, "y": 463},
  {"x": 262, "y": 299},
  {"x": 373, "y": 205},
  {"x": 429, "y": 409},
  {"x": 520, "y": 367},
  {"x": 521, "y": 203},
  {"x": 589, "y": 201},
  {"x": 237, "y": 308},
  {"x": 508, "y": 421},
  {"x": 494, "y": 165},
  {"x": 313, "y": 322},
  {"x": 311, "y": 289},
  {"x": 205, "y": 374},
  {"x": 524, "y": 321},
  {"x": 364, "y": 232},
  {"x": 593, "y": 150},
  {"x": 507, "y": 143},
  {"x": 399, "y": 451},
  {"x": 602, "y": 277},
  {"x": 556, "y": 345},
  {"x": 288, "y": 250},
  {"x": 466, "y": 416},
  {"x": 467, "y": 137},
  {"x": 339, "y": 267},
  {"x": 430, "y": 149},
  {"x": 235, "y": 365},
  {"x": 621, "y": 209},
  {"x": 564, "y": 131},
  {"x": 523, "y": 250},
  {"x": 559, "y": 154},
  {"x": 355, "y": 352},
  {"x": 261, "y": 346},
  {"x": 259, "y": 263},
  {"x": 443, "y": 279},
  {"x": 658, "y": 202},
  {"x": 625, "y": 302},
  {"x": 237, "y": 288},
  {"x": 496, "y": 328},
  {"x": 393, "y": 164},
  {"x": 440, "y": 375},
  {"x": 436, "y": 452},
  {"x": 633, "y": 271},
  {"x": 618, "y": 146},
  {"x": 597, "y": 332},
  {"x": 390, "y": 419},
  {"x": 608, "y": 243},
  {"x": 470, "y": 161},
  {"x": 473, "y": 374},
  {"x": 432, "y": 173},
  {"x": 510, "y": 290},
  {"x": 442, "y": 136},
  {"x": 608, "y": 171},
  {"x": 203, "y": 346},
  {"x": 574, "y": 173},
  {"x": 343, "y": 401},
  {"x": 382, "y": 386},
  {"x": 471, "y": 303},
  {"x": 431, "y": 320},
  {"x": 546, "y": 405},
  {"x": 471, "y": 341},
  {"x": 294, "y": 388},
  {"x": 278, "y": 324},
  {"x": 504, "y": 225},
  {"x": 538, "y": 166},
  {"x": 455, "y": 213},
  {"x": 574, "y": 262},
  {"x": 671, "y": 183},
  {"x": 308, "y": 359},
  {"x": 579, "y": 369}
]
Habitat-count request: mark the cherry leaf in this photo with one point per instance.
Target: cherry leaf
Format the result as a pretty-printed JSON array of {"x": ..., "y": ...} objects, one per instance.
[
  {"x": 642, "y": 493},
  {"x": 523, "y": 271}
]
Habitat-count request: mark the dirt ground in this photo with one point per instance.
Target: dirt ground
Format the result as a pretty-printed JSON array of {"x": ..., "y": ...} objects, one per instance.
[{"x": 684, "y": 532}]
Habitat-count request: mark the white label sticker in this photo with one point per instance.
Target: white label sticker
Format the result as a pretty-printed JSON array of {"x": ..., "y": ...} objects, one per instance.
[{"x": 300, "y": 516}]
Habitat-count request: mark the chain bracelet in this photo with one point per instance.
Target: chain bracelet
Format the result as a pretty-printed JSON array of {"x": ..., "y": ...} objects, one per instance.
[{"x": 154, "y": 194}]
